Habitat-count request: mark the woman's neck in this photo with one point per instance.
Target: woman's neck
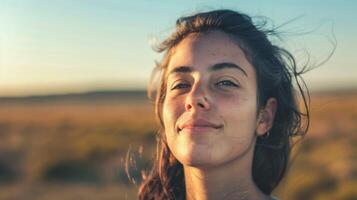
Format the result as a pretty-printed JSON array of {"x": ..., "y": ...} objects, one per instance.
[{"x": 231, "y": 181}]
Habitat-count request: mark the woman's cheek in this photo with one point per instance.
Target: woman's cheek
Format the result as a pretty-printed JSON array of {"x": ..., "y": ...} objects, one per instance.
[{"x": 170, "y": 114}]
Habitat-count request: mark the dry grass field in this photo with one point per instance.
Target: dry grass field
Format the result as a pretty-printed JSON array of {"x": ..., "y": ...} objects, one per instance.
[{"x": 76, "y": 149}]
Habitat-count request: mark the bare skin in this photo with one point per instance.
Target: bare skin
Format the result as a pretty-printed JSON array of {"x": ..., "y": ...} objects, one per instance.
[
  {"x": 228, "y": 181},
  {"x": 211, "y": 117}
]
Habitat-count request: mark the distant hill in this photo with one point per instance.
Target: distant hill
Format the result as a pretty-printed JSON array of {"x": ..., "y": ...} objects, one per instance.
[
  {"x": 94, "y": 96},
  {"x": 120, "y": 96}
]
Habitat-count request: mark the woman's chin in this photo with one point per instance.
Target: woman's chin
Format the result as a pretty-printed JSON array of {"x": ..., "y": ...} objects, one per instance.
[
  {"x": 202, "y": 151},
  {"x": 194, "y": 154}
]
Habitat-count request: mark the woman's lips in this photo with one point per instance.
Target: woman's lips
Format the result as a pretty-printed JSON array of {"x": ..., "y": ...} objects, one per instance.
[
  {"x": 198, "y": 126},
  {"x": 198, "y": 129}
]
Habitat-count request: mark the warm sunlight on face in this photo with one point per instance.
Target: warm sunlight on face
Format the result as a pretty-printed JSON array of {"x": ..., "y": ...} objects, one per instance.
[{"x": 209, "y": 112}]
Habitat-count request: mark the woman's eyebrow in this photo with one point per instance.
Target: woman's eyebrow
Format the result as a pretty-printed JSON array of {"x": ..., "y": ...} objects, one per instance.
[
  {"x": 215, "y": 67},
  {"x": 225, "y": 65},
  {"x": 181, "y": 69}
]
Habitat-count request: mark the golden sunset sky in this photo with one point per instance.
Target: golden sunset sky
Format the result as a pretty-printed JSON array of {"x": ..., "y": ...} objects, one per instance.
[{"x": 61, "y": 46}]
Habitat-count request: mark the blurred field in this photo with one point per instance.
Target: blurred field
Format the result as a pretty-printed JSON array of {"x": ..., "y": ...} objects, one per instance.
[{"x": 74, "y": 148}]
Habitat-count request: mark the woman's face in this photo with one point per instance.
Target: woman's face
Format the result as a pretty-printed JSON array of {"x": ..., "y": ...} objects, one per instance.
[{"x": 210, "y": 108}]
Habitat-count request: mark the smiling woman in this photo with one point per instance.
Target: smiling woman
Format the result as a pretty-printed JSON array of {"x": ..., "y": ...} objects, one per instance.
[{"x": 227, "y": 110}]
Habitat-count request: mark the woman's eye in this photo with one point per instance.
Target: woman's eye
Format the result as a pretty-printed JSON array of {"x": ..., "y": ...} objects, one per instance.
[
  {"x": 180, "y": 86},
  {"x": 227, "y": 83}
]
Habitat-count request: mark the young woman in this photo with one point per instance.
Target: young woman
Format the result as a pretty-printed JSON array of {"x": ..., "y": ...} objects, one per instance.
[{"x": 227, "y": 109}]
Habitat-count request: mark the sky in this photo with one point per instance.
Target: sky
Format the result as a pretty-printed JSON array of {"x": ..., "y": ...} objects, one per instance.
[{"x": 61, "y": 46}]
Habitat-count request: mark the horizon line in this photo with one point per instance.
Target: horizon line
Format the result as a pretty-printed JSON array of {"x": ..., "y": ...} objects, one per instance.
[{"x": 143, "y": 90}]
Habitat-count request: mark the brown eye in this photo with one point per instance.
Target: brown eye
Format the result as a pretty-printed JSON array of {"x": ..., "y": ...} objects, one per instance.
[
  {"x": 227, "y": 83},
  {"x": 180, "y": 86}
]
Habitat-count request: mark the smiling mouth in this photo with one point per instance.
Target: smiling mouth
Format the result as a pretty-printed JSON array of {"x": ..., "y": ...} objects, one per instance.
[
  {"x": 199, "y": 129},
  {"x": 198, "y": 125}
]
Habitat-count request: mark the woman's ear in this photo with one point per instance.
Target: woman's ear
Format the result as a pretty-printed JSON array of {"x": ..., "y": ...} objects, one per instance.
[{"x": 266, "y": 116}]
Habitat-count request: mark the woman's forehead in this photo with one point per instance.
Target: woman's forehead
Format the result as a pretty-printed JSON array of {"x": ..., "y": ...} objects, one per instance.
[{"x": 205, "y": 50}]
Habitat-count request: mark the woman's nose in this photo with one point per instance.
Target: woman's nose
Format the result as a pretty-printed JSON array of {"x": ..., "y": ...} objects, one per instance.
[{"x": 197, "y": 100}]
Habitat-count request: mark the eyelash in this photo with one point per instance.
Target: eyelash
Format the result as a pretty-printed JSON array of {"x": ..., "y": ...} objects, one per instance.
[
  {"x": 231, "y": 83},
  {"x": 221, "y": 83},
  {"x": 179, "y": 86}
]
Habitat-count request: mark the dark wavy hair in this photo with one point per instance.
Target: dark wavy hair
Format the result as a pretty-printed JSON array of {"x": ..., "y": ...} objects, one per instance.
[{"x": 275, "y": 69}]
